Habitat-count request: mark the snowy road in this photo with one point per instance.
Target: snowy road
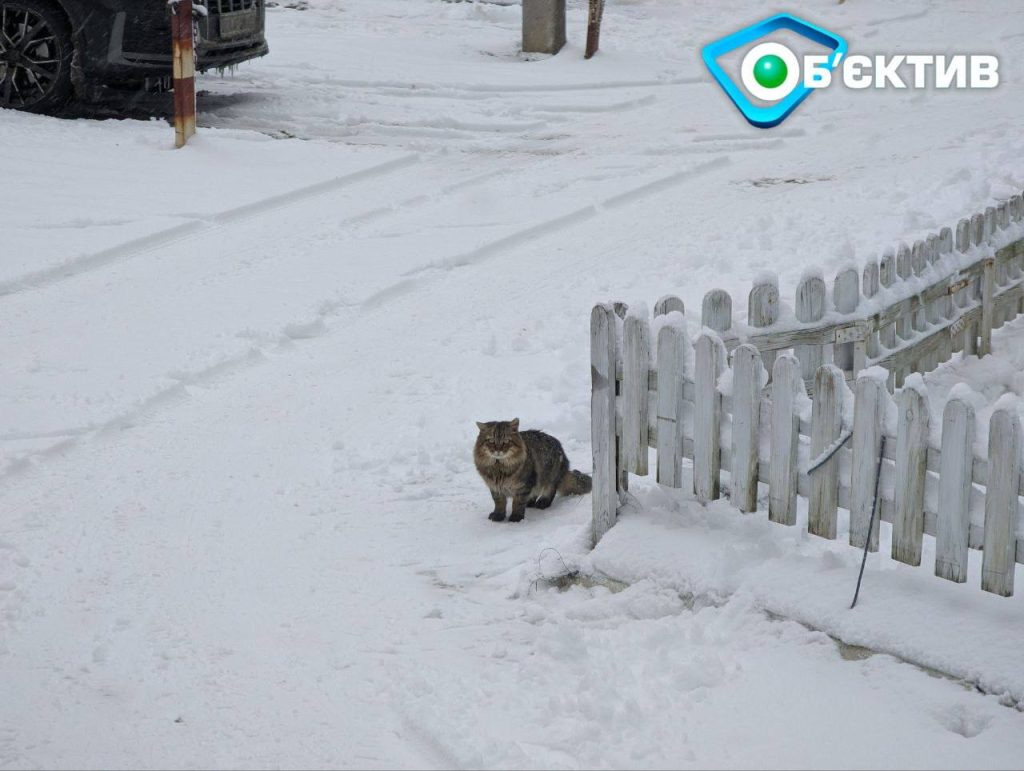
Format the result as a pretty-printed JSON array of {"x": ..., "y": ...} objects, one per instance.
[{"x": 240, "y": 525}]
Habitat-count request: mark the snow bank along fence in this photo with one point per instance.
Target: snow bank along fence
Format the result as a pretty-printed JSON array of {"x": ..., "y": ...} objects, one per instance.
[{"x": 906, "y": 313}]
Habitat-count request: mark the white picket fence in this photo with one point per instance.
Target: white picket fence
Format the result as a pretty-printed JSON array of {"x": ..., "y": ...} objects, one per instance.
[{"x": 914, "y": 309}]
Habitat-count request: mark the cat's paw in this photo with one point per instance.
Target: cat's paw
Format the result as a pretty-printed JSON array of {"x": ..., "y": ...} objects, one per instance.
[
  {"x": 497, "y": 516},
  {"x": 516, "y": 518},
  {"x": 543, "y": 503},
  {"x": 531, "y": 503}
]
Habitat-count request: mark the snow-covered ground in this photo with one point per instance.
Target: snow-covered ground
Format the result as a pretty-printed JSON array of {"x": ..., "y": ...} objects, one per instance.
[{"x": 240, "y": 524}]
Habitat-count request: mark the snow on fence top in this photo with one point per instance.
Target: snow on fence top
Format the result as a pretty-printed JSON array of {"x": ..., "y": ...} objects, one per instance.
[
  {"x": 907, "y": 312},
  {"x": 897, "y": 317}
]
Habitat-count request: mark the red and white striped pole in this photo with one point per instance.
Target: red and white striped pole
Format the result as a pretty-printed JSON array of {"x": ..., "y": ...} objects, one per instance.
[
  {"x": 594, "y": 28},
  {"x": 183, "y": 52}
]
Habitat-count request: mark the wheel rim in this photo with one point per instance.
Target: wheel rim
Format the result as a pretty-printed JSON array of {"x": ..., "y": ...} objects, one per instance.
[{"x": 29, "y": 57}]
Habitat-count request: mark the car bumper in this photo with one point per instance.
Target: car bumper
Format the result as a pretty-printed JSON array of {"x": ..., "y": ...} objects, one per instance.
[{"x": 136, "y": 46}]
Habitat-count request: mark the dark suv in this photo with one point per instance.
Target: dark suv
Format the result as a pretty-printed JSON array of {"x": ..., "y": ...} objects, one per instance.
[{"x": 51, "y": 49}]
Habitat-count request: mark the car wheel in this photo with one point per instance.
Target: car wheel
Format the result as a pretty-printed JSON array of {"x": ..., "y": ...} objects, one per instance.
[{"x": 35, "y": 56}]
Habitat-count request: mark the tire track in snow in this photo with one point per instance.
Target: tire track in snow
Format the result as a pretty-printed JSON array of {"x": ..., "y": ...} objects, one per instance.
[
  {"x": 300, "y": 330},
  {"x": 912, "y": 16},
  {"x": 179, "y": 233},
  {"x": 587, "y": 109},
  {"x": 418, "y": 276},
  {"x": 485, "y": 90},
  {"x": 125, "y": 420}
]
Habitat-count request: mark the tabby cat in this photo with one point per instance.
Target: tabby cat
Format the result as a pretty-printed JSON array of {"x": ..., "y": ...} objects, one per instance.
[{"x": 528, "y": 466}]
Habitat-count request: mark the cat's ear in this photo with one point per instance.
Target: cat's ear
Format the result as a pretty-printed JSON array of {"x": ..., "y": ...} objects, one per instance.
[
  {"x": 481, "y": 426},
  {"x": 515, "y": 424}
]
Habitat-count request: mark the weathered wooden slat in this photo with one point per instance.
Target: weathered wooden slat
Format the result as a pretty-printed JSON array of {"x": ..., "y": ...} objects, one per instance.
[
  {"x": 935, "y": 339},
  {"x": 964, "y": 243},
  {"x": 887, "y": 330},
  {"x": 826, "y": 426},
  {"x": 1002, "y": 279},
  {"x": 978, "y": 230},
  {"x": 905, "y": 324},
  {"x": 1003, "y": 215},
  {"x": 944, "y": 309},
  {"x": 911, "y": 460},
  {"x": 991, "y": 223},
  {"x": 787, "y": 386},
  {"x": 870, "y": 286},
  {"x": 763, "y": 311},
  {"x": 954, "y": 520},
  {"x": 747, "y": 381},
  {"x": 1017, "y": 208},
  {"x": 919, "y": 263},
  {"x": 707, "y": 417},
  {"x": 1001, "y": 507},
  {"x": 946, "y": 241},
  {"x": 987, "y": 309},
  {"x": 604, "y": 498},
  {"x": 636, "y": 358},
  {"x": 872, "y": 400},
  {"x": 963, "y": 236},
  {"x": 668, "y": 304},
  {"x": 716, "y": 311},
  {"x": 810, "y": 307},
  {"x": 672, "y": 345},
  {"x": 845, "y": 298}
]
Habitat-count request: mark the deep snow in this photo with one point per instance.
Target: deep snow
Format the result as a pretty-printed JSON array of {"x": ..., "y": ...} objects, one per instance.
[{"x": 240, "y": 522}]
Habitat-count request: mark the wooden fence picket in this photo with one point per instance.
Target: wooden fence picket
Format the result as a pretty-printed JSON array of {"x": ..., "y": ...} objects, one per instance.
[
  {"x": 919, "y": 262},
  {"x": 872, "y": 400},
  {"x": 672, "y": 356},
  {"x": 763, "y": 311},
  {"x": 1001, "y": 507},
  {"x": 963, "y": 236},
  {"x": 636, "y": 366},
  {"x": 810, "y": 307},
  {"x": 952, "y": 531},
  {"x": 667, "y": 305},
  {"x": 787, "y": 387},
  {"x": 988, "y": 290},
  {"x": 870, "y": 286},
  {"x": 604, "y": 498},
  {"x": 707, "y": 417},
  {"x": 942, "y": 247},
  {"x": 747, "y": 380},
  {"x": 978, "y": 230},
  {"x": 845, "y": 298},
  {"x": 887, "y": 335},
  {"x": 826, "y": 427},
  {"x": 716, "y": 311},
  {"x": 905, "y": 324},
  {"x": 911, "y": 470}
]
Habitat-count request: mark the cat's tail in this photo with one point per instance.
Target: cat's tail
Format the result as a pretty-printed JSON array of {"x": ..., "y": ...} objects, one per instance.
[{"x": 575, "y": 483}]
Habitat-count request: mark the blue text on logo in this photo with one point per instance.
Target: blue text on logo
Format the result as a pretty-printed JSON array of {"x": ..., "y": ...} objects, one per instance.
[{"x": 772, "y": 115}]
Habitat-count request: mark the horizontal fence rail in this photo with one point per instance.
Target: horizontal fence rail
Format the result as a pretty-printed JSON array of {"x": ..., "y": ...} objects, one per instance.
[{"x": 757, "y": 403}]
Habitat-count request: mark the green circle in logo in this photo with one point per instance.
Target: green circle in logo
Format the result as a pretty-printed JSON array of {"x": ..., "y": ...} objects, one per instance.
[{"x": 770, "y": 71}]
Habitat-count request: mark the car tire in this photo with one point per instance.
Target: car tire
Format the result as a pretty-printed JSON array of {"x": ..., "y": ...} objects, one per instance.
[{"x": 36, "y": 50}]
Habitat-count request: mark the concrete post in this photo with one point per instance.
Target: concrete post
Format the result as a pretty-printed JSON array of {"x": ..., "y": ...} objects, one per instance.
[{"x": 543, "y": 26}]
